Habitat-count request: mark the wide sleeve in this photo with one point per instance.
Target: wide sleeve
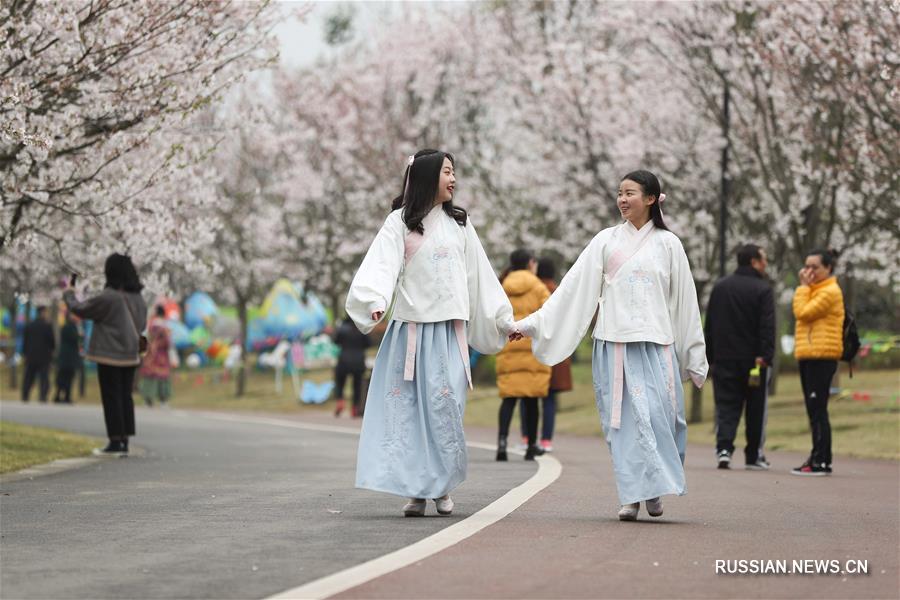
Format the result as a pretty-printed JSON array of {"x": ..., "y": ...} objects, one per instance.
[
  {"x": 490, "y": 313},
  {"x": 684, "y": 312},
  {"x": 809, "y": 307},
  {"x": 373, "y": 285},
  {"x": 559, "y": 326},
  {"x": 96, "y": 308}
]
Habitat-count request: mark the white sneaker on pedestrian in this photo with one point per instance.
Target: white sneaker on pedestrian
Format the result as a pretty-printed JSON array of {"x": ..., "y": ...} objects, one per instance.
[
  {"x": 444, "y": 505},
  {"x": 761, "y": 464},
  {"x": 629, "y": 512},
  {"x": 414, "y": 508},
  {"x": 724, "y": 459},
  {"x": 654, "y": 507}
]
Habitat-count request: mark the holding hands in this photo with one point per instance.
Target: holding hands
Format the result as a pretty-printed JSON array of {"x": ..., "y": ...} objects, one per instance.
[{"x": 517, "y": 332}]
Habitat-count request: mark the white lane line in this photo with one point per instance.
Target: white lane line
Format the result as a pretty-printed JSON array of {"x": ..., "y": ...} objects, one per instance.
[{"x": 549, "y": 470}]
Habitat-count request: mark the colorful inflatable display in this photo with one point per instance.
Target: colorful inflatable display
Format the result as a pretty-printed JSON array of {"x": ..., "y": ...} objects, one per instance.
[{"x": 286, "y": 313}]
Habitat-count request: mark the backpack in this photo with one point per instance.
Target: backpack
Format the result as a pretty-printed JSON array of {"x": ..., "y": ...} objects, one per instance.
[{"x": 851, "y": 340}]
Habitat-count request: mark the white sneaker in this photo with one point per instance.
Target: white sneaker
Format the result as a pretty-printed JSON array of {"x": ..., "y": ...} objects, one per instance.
[
  {"x": 629, "y": 512},
  {"x": 444, "y": 505},
  {"x": 414, "y": 508},
  {"x": 654, "y": 507},
  {"x": 761, "y": 464}
]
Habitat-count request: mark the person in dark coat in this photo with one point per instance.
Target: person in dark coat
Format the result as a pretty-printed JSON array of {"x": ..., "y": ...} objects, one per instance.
[
  {"x": 38, "y": 344},
  {"x": 352, "y": 362},
  {"x": 68, "y": 360},
  {"x": 740, "y": 346},
  {"x": 119, "y": 314}
]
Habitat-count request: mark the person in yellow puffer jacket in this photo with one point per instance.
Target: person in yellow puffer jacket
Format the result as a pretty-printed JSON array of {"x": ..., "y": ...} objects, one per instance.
[
  {"x": 819, "y": 335},
  {"x": 519, "y": 374}
]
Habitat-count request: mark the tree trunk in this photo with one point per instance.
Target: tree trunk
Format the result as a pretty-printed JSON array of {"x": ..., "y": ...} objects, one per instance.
[
  {"x": 13, "y": 370},
  {"x": 241, "y": 379},
  {"x": 335, "y": 307},
  {"x": 696, "y": 405}
]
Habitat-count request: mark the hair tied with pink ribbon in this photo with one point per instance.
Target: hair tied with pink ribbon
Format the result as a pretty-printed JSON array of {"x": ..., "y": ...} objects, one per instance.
[
  {"x": 662, "y": 198},
  {"x": 410, "y": 160}
]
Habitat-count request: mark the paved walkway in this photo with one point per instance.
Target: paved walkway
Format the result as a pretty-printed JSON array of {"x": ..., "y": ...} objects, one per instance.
[{"x": 227, "y": 509}]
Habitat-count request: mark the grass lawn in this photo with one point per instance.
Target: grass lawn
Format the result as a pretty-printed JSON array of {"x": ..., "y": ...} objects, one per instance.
[
  {"x": 23, "y": 446},
  {"x": 862, "y": 428}
]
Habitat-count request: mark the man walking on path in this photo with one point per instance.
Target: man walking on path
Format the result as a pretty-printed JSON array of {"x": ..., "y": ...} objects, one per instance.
[
  {"x": 740, "y": 345},
  {"x": 38, "y": 344}
]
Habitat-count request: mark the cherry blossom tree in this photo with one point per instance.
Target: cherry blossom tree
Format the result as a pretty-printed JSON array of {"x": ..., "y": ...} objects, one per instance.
[
  {"x": 814, "y": 121},
  {"x": 98, "y": 146}
]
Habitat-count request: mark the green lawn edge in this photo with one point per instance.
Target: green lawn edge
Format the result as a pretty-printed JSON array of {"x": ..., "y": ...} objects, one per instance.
[{"x": 23, "y": 446}]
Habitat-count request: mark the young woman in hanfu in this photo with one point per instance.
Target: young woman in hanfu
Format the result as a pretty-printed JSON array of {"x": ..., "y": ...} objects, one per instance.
[
  {"x": 648, "y": 339},
  {"x": 446, "y": 297}
]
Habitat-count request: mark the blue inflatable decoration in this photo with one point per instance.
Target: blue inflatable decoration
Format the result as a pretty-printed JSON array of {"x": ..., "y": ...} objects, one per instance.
[
  {"x": 199, "y": 310},
  {"x": 286, "y": 314},
  {"x": 315, "y": 393},
  {"x": 181, "y": 335}
]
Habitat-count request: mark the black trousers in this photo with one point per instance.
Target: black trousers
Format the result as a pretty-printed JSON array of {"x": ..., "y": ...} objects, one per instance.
[
  {"x": 42, "y": 372},
  {"x": 116, "y": 385},
  {"x": 531, "y": 414},
  {"x": 815, "y": 378},
  {"x": 733, "y": 396},
  {"x": 64, "y": 378},
  {"x": 340, "y": 380}
]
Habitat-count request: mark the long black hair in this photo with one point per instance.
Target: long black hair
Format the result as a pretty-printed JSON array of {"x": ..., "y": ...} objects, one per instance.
[
  {"x": 121, "y": 274},
  {"x": 649, "y": 187},
  {"x": 420, "y": 187}
]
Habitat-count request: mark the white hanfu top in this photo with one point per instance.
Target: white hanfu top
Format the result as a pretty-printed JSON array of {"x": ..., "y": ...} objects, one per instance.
[
  {"x": 649, "y": 297},
  {"x": 442, "y": 275}
]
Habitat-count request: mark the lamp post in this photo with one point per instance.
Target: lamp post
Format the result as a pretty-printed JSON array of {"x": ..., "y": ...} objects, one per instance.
[{"x": 725, "y": 183}]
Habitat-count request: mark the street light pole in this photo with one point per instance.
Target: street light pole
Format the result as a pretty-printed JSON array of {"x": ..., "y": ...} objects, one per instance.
[
  {"x": 696, "y": 415},
  {"x": 726, "y": 184}
]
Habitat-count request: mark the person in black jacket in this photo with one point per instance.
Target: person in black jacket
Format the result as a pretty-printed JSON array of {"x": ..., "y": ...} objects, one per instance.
[
  {"x": 38, "y": 344},
  {"x": 740, "y": 337},
  {"x": 68, "y": 361},
  {"x": 352, "y": 361}
]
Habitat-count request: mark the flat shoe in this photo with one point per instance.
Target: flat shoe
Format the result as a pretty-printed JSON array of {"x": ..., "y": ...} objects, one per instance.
[
  {"x": 654, "y": 507},
  {"x": 414, "y": 508},
  {"x": 629, "y": 512},
  {"x": 444, "y": 505}
]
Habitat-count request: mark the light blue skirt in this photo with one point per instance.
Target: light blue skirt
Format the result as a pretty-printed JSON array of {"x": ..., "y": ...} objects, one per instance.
[
  {"x": 412, "y": 442},
  {"x": 648, "y": 449}
]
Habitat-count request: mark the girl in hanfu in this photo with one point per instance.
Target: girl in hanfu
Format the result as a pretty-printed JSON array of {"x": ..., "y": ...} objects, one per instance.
[
  {"x": 428, "y": 263},
  {"x": 648, "y": 339}
]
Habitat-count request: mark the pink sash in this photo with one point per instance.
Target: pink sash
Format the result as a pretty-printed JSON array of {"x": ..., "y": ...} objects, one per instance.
[
  {"x": 628, "y": 248},
  {"x": 409, "y": 366},
  {"x": 412, "y": 244}
]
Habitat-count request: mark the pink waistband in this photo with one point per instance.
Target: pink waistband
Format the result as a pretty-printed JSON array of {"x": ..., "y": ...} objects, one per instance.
[{"x": 409, "y": 368}]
